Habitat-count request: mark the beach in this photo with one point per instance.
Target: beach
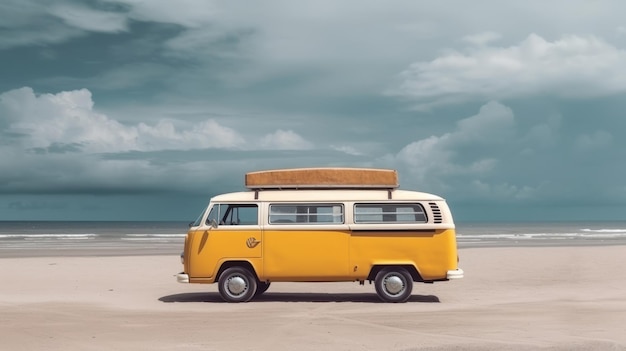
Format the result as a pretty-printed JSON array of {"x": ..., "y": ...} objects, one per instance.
[{"x": 511, "y": 298}]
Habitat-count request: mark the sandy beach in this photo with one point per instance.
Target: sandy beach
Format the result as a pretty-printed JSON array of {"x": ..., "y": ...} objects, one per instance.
[{"x": 512, "y": 298}]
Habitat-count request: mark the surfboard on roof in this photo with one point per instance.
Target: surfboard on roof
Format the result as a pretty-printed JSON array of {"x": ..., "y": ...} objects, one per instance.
[{"x": 331, "y": 177}]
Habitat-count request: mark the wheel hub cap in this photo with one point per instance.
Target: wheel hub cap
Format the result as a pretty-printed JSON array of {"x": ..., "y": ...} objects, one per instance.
[
  {"x": 236, "y": 285},
  {"x": 394, "y": 285}
]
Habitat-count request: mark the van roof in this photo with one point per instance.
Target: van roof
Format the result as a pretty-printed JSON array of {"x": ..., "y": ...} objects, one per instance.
[{"x": 319, "y": 195}]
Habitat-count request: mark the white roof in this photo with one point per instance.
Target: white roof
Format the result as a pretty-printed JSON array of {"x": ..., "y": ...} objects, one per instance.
[{"x": 325, "y": 195}]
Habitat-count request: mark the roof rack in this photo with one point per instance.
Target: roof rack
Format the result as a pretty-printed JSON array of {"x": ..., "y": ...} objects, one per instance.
[{"x": 322, "y": 178}]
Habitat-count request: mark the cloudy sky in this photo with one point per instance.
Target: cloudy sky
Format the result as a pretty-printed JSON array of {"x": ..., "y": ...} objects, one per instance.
[{"x": 142, "y": 110}]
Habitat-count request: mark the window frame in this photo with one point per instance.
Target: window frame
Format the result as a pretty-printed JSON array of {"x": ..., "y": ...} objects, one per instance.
[
  {"x": 386, "y": 214},
  {"x": 221, "y": 216},
  {"x": 307, "y": 215}
]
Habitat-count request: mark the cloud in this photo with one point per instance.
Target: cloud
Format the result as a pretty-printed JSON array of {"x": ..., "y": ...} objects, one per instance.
[
  {"x": 59, "y": 143},
  {"x": 39, "y": 22},
  {"x": 571, "y": 67},
  {"x": 90, "y": 19},
  {"x": 68, "y": 118},
  {"x": 285, "y": 140},
  {"x": 437, "y": 156},
  {"x": 483, "y": 38},
  {"x": 347, "y": 150},
  {"x": 186, "y": 13},
  {"x": 28, "y": 22},
  {"x": 186, "y": 96},
  {"x": 480, "y": 160},
  {"x": 493, "y": 157}
]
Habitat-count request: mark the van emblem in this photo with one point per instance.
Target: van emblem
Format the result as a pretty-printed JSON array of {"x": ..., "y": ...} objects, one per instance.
[{"x": 252, "y": 242}]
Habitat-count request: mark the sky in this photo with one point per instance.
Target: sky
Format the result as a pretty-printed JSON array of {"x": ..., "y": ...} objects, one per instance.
[{"x": 143, "y": 110}]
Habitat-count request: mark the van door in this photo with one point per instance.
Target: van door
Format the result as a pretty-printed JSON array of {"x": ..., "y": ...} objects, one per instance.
[
  {"x": 233, "y": 233},
  {"x": 306, "y": 242}
]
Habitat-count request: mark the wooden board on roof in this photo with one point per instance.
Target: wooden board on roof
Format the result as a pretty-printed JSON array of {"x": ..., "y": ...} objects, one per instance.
[{"x": 297, "y": 178}]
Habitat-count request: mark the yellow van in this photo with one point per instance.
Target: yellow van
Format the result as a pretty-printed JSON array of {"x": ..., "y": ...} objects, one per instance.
[{"x": 321, "y": 225}]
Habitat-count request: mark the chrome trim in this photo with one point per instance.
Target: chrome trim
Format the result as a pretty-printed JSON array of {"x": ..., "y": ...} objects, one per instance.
[
  {"x": 393, "y": 284},
  {"x": 455, "y": 274},
  {"x": 182, "y": 278}
]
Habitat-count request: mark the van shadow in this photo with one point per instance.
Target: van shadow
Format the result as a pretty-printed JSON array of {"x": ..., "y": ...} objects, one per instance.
[{"x": 293, "y": 297}]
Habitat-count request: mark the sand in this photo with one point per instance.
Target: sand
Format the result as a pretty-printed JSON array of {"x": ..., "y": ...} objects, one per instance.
[{"x": 516, "y": 298}]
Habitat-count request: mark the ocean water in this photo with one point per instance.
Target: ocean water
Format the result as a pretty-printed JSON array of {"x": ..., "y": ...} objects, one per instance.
[
  {"x": 102, "y": 238},
  {"x": 18, "y": 238},
  {"x": 541, "y": 233}
]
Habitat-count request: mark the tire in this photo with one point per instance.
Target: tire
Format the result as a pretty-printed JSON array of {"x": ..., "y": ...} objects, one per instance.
[
  {"x": 237, "y": 284},
  {"x": 393, "y": 284},
  {"x": 261, "y": 287}
]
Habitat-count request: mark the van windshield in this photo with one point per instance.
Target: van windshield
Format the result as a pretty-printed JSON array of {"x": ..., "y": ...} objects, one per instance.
[{"x": 198, "y": 220}]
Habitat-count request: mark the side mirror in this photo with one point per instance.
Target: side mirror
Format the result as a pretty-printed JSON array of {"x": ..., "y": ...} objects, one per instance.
[{"x": 213, "y": 223}]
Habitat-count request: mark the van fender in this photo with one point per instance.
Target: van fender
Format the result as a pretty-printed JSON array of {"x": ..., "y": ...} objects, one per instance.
[
  {"x": 224, "y": 265},
  {"x": 409, "y": 266}
]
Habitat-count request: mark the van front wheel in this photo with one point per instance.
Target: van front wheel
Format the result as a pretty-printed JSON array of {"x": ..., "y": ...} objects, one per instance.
[
  {"x": 237, "y": 284},
  {"x": 393, "y": 284}
]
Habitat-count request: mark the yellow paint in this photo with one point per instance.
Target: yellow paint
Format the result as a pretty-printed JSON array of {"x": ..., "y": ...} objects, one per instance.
[
  {"x": 318, "y": 255},
  {"x": 306, "y": 255},
  {"x": 431, "y": 253},
  {"x": 208, "y": 249}
]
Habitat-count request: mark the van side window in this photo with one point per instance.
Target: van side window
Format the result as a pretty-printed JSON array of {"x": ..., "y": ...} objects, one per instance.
[
  {"x": 234, "y": 214},
  {"x": 306, "y": 214},
  {"x": 389, "y": 213}
]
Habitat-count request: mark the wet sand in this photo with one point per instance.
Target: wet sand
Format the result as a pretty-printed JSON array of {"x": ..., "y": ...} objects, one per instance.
[{"x": 512, "y": 298}]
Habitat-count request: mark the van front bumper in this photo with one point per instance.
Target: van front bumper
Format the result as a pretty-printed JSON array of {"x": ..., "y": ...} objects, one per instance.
[
  {"x": 455, "y": 274},
  {"x": 182, "y": 278}
]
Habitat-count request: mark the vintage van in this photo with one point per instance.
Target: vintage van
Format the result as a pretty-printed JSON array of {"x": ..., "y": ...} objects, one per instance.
[{"x": 321, "y": 225}]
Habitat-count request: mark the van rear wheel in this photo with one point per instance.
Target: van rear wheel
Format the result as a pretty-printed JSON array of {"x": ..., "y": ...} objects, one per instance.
[
  {"x": 237, "y": 284},
  {"x": 393, "y": 284}
]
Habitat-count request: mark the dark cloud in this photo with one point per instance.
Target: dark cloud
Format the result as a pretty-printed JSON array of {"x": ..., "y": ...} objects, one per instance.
[{"x": 58, "y": 148}]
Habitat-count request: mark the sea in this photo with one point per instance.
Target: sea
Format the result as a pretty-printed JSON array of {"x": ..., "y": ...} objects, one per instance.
[{"x": 80, "y": 238}]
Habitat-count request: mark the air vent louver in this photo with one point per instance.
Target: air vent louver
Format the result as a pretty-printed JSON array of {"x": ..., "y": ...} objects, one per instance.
[{"x": 437, "y": 218}]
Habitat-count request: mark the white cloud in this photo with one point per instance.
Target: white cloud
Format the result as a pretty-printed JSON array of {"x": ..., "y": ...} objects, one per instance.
[
  {"x": 573, "y": 66},
  {"x": 494, "y": 123},
  {"x": 426, "y": 157},
  {"x": 431, "y": 160},
  {"x": 69, "y": 118},
  {"x": 285, "y": 140}
]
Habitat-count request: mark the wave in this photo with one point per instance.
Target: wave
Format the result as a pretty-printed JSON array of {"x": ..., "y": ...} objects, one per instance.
[
  {"x": 156, "y": 235},
  {"x": 553, "y": 236},
  {"x": 48, "y": 236},
  {"x": 604, "y": 230},
  {"x": 87, "y": 236}
]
